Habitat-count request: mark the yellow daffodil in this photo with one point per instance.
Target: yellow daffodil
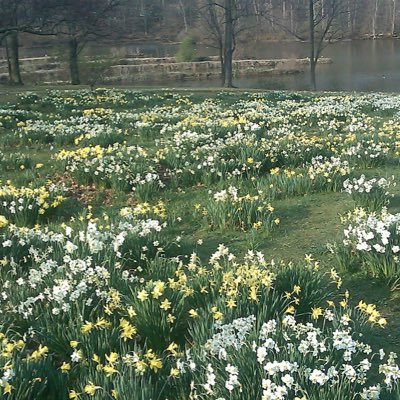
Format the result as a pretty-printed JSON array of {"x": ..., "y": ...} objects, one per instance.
[
  {"x": 96, "y": 358},
  {"x": 73, "y": 395},
  {"x": 128, "y": 330},
  {"x": 172, "y": 348},
  {"x": 39, "y": 353},
  {"x": 193, "y": 313},
  {"x": 7, "y": 388},
  {"x": 165, "y": 305},
  {"x": 142, "y": 295},
  {"x": 290, "y": 310},
  {"x": 112, "y": 357},
  {"x": 109, "y": 370},
  {"x": 171, "y": 318},
  {"x": 382, "y": 322},
  {"x": 102, "y": 323},
  {"x": 65, "y": 367},
  {"x": 316, "y": 312},
  {"x": 231, "y": 303},
  {"x": 155, "y": 364},
  {"x": 131, "y": 311},
  {"x": 3, "y": 221},
  {"x": 87, "y": 327},
  {"x": 91, "y": 389}
]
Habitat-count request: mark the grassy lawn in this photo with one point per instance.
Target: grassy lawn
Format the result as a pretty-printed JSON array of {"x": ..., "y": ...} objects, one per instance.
[{"x": 116, "y": 190}]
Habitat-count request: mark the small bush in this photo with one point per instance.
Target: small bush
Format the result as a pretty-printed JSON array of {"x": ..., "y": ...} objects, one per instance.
[{"x": 187, "y": 50}]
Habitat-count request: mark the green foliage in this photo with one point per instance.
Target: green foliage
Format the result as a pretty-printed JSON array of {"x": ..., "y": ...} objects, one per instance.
[{"x": 187, "y": 50}]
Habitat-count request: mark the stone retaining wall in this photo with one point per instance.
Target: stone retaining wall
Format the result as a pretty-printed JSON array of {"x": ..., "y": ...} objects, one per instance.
[
  {"x": 49, "y": 70},
  {"x": 163, "y": 69}
]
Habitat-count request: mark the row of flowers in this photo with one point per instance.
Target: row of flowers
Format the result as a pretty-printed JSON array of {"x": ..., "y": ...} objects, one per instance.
[{"x": 122, "y": 304}]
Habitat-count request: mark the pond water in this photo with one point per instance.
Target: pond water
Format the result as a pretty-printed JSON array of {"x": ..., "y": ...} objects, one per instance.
[{"x": 362, "y": 65}]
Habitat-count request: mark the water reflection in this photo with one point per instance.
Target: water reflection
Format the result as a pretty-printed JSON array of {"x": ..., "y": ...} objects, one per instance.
[
  {"x": 362, "y": 65},
  {"x": 357, "y": 65}
]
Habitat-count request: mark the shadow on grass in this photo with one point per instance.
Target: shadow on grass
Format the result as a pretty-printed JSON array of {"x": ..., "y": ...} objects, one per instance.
[
  {"x": 291, "y": 236},
  {"x": 71, "y": 207},
  {"x": 377, "y": 292},
  {"x": 293, "y": 215},
  {"x": 394, "y": 205}
]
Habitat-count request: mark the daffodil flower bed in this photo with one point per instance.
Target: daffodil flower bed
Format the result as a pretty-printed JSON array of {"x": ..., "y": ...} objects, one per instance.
[
  {"x": 285, "y": 359},
  {"x": 75, "y": 130},
  {"x": 117, "y": 166},
  {"x": 152, "y": 335},
  {"x": 14, "y": 161},
  {"x": 328, "y": 172},
  {"x": 228, "y": 209},
  {"x": 24, "y": 206},
  {"x": 116, "y": 284},
  {"x": 371, "y": 243},
  {"x": 371, "y": 194}
]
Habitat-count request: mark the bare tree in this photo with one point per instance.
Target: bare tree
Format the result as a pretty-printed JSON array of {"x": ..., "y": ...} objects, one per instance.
[
  {"x": 323, "y": 19},
  {"x": 394, "y": 10},
  {"x": 214, "y": 20},
  {"x": 12, "y": 53},
  {"x": 10, "y": 15},
  {"x": 321, "y": 27},
  {"x": 29, "y": 16},
  {"x": 229, "y": 42},
  {"x": 374, "y": 19},
  {"x": 182, "y": 7},
  {"x": 79, "y": 21},
  {"x": 224, "y": 19}
]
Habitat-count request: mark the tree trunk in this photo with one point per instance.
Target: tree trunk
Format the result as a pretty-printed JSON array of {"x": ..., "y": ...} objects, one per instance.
[
  {"x": 185, "y": 23},
  {"x": 12, "y": 51},
  {"x": 313, "y": 80},
  {"x": 374, "y": 20},
  {"x": 220, "y": 37},
  {"x": 313, "y": 62},
  {"x": 291, "y": 18},
  {"x": 354, "y": 21},
  {"x": 256, "y": 12},
  {"x": 73, "y": 61},
  {"x": 228, "y": 43},
  {"x": 349, "y": 26},
  {"x": 393, "y": 30},
  {"x": 271, "y": 13},
  {"x": 222, "y": 61}
]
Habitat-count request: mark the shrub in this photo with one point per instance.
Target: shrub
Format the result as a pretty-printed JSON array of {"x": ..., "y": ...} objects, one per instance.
[{"x": 187, "y": 50}]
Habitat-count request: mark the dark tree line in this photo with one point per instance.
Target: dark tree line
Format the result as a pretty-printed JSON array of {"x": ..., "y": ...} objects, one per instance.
[
  {"x": 74, "y": 21},
  {"x": 363, "y": 17},
  {"x": 29, "y": 16},
  {"x": 218, "y": 22}
]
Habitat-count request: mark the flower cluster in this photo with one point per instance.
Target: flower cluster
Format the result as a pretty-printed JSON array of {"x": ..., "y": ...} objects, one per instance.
[
  {"x": 372, "y": 194},
  {"x": 116, "y": 166},
  {"x": 227, "y": 208},
  {"x": 24, "y": 205},
  {"x": 287, "y": 359},
  {"x": 115, "y": 282},
  {"x": 332, "y": 170},
  {"x": 371, "y": 242}
]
